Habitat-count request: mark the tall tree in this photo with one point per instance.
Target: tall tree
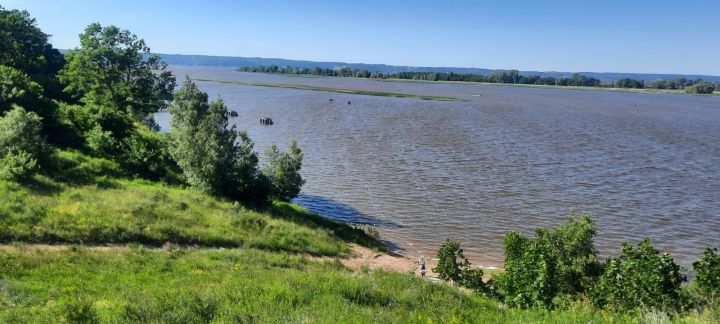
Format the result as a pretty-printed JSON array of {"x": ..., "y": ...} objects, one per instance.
[
  {"x": 25, "y": 47},
  {"x": 214, "y": 158},
  {"x": 115, "y": 67}
]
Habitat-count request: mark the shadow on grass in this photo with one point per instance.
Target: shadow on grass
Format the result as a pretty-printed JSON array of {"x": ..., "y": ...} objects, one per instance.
[
  {"x": 303, "y": 217},
  {"x": 342, "y": 212},
  {"x": 337, "y": 225}
]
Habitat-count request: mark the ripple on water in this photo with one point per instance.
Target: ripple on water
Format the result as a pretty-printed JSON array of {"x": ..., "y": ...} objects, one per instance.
[{"x": 510, "y": 159}]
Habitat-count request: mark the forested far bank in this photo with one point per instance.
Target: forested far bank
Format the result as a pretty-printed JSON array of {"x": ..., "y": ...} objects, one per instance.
[{"x": 697, "y": 86}]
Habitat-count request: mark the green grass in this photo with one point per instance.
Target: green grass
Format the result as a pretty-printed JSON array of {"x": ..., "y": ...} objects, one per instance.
[
  {"x": 88, "y": 203},
  {"x": 338, "y": 90},
  {"x": 136, "y": 284}
]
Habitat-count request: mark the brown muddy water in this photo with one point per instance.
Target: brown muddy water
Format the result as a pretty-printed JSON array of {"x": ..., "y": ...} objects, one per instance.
[{"x": 505, "y": 158}]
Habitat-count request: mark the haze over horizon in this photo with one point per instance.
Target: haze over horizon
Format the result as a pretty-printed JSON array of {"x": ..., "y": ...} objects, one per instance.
[{"x": 612, "y": 36}]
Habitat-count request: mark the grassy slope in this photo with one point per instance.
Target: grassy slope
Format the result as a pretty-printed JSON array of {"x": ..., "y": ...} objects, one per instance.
[{"x": 268, "y": 279}]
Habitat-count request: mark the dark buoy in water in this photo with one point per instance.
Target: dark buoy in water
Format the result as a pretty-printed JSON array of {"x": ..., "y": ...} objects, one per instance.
[
  {"x": 348, "y": 102},
  {"x": 266, "y": 121},
  {"x": 331, "y": 100}
]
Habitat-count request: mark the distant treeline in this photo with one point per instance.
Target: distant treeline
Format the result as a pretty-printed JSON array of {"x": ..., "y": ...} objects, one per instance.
[{"x": 510, "y": 77}]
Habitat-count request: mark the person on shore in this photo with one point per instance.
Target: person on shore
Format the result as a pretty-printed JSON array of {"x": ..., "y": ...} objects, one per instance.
[{"x": 422, "y": 266}]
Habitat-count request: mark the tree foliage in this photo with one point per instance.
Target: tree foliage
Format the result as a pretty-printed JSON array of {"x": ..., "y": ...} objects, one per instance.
[
  {"x": 701, "y": 88},
  {"x": 558, "y": 262},
  {"x": 453, "y": 265},
  {"x": 640, "y": 278},
  {"x": 20, "y": 144},
  {"x": 25, "y": 47},
  {"x": 113, "y": 67},
  {"x": 708, "y": 272},
  {"x": 214, "y": 158},
  {"x": 282, "y": 169},
  {"x": 16, "y": 88}
]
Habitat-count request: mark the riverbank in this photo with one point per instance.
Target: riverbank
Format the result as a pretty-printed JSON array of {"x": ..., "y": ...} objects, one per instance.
[{"x": 538, "y": 86}]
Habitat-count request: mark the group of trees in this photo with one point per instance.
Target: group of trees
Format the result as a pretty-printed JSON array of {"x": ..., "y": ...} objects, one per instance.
[
  {"x": 509, "y": 77},
  {"x": 561, "y": 265},
  {"x": 101, "y": 97}
]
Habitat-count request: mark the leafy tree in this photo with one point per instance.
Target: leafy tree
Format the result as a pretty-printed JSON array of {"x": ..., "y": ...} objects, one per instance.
[
  {"x": 115, "y": 68},
  {"x": 16, "y": 88},
  {"x": 25, "y": 47},
  {"x": 20, "y": 144},
  {"x": 640, "y": 278},
  {"x": 701, "y": 88},
  {"x": 283, "y": 171},
  {"x": 450, "y": 261},
  {"x": 214, "y": 158},
  {"x": 560, "y": 262},
  {"x": 530, "y": 278},
  {"x": 453, "y": 265},
  {"x": 708, "y": 272}
]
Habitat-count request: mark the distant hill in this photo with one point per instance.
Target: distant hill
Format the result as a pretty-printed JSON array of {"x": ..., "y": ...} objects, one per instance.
[{"x": 231, "y": 61}]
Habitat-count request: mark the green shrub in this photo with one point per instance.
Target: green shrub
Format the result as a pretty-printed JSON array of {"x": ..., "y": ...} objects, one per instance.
[
  {"x": 708, "y": 272},
  {"x": 453, "y": 265},
  {"x": 640, "y": 278},
  {"x": 80, "y": 311},
  {"x": 560, "y": 262},
  {"x": 701, "y": 88},
  {"x": 20, "y": 144},
  {"x": 450, "y": 261},
  {"x": 283, "y": 171},
  {"x": 530, "y": 278},
  {"x": 101, "y": 143},
  {"x": 145, "y": 154}
]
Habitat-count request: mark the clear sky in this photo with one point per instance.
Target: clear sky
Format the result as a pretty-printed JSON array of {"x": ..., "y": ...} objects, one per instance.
[{"x": 573, "y": 35}]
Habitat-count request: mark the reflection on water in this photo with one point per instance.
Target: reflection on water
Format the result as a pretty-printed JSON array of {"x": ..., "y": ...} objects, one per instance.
[{"x": 507, "y": 158}]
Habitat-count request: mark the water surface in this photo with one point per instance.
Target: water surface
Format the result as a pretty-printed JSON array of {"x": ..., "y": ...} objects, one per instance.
[{"x": 506, "y": 158}]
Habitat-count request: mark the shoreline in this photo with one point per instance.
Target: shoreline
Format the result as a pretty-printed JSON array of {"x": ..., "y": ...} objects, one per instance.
[{"x": 537, "y": 86}]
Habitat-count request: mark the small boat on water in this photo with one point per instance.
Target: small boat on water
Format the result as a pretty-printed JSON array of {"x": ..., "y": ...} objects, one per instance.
[
  {"x": 233, "y": 113},
  {"x": 266, "y": 121}
]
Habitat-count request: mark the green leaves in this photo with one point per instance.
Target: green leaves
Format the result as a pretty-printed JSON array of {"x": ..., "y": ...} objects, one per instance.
[
  {"x": 208, "y": 152},
  {"x": 283, "y": 171},
  {"x": 113, "y": 67},
  {"x": 708, "y": 272},
  {"x": 560, "y": 261},
  {"x": 640, "y": 278},
  {"x": 20, "y": 144}
]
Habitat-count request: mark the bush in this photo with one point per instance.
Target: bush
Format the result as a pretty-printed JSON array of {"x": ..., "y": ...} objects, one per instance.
[
  {"x": 101, "y": 143},
  {"x": 450, "y": 261},
  {"x": 708, "y": 272},
  {"x": 453, "y": 265},
  {"x": 530, "y": 278},
  {"x": 80, "y": 311},
  {"x": 640, "y": 278},
  {"x": 145, "y": 154},
  {"x": 283, "y": 171},
  {"x": 561, "y": 262},
  {"x": 20, "y": 144},
  {"x": 701, "y": 88}
]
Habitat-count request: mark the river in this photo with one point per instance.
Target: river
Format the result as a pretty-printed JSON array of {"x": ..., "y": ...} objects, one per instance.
[{"x": 503, "y": 158}]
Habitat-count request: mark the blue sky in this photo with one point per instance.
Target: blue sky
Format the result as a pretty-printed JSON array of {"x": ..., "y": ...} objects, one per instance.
[{"x": 600, "y": 36}]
